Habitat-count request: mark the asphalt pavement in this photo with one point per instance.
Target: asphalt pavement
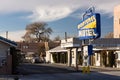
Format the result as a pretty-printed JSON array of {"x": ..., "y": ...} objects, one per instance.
[
  {"x": 26, "y": 69},
  {"x": 62, "y": 72}
]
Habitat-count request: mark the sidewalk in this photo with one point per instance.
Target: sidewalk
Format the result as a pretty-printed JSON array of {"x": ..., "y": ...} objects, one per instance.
[
  {"x": 99, "y": 69},
  {"x": 92, "y": 68}
]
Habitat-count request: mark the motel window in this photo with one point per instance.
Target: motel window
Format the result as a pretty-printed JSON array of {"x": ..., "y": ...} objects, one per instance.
[{"x": 25, "y": 47}]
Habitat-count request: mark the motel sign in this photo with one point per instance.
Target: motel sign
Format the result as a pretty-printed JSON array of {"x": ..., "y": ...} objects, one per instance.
[{"x": 89, "y": 27}]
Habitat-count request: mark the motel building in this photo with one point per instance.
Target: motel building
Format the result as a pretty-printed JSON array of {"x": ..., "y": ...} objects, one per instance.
[{"x": 106, "y": 52}]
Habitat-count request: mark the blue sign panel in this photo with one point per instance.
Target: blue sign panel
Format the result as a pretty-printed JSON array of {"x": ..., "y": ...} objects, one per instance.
[
  {"x": 90, "y": 50},
  {"x": 89, "y": 28}
]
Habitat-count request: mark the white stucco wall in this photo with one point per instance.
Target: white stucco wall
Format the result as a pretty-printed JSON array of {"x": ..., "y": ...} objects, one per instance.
[
  {"x": 73, "y": 58},
  {"x": 48, "y": 56},
  {"x": 97, "y": 59},
  {"x": 119, "y": 56},
  {"x": 51, "y": 58},
  {"x": 118, "y": 59},
  {"x": 118, "y": 52}
]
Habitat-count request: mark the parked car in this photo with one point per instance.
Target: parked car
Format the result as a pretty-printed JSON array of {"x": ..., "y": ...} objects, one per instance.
[{"x": 35, "y": 60}]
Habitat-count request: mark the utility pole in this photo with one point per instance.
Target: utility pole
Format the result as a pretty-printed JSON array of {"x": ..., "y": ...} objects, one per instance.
[{"x": 66, "y": 36}]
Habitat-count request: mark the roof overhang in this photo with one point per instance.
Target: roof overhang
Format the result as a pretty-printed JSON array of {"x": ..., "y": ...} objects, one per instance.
[
  {"x": 9, "y": 42},
  {"x": 58, "y": 49}
]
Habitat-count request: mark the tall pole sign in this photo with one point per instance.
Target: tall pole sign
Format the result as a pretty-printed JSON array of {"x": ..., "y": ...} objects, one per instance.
[{"x": 89, "y": 29}]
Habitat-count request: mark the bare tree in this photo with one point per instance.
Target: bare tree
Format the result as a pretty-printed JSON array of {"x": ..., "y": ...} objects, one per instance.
[
  {"x": 37, "y": 31},
  {"x": 57, "y": 38},
  {"x": 109, "y": 35}
]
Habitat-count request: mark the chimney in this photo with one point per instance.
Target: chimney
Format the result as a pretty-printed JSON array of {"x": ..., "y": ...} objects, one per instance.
[{"x": 7, "y": 34}]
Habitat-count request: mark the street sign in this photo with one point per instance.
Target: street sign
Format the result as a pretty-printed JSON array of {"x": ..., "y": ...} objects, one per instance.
[{"x": 89, "y": 27}]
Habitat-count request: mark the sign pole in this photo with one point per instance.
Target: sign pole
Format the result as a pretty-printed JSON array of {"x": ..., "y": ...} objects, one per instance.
[
  {"x": 85, "y": 59},
  {"x": 85, "y": 48},
  {"x": 89, "y": 28}
]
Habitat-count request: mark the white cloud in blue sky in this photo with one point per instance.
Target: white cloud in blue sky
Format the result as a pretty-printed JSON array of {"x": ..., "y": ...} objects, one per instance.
[
  {"x": 51, "y": 11},
  {"x": 50, "y": 14},
  {"x": 54, "y": 9}
]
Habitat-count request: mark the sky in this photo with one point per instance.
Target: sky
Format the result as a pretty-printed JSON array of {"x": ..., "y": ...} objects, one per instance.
[{"x": 60, "y": 15}]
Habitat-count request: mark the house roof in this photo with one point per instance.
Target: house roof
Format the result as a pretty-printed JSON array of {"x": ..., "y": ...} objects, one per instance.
[
  {"x": 28, "y": 47},
  {"x": 7, "y": 41},
  {"x": 34, "y": 47}
]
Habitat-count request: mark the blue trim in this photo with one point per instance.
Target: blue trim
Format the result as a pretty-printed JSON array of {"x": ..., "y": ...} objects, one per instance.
[{"x": 8, "y": 41}]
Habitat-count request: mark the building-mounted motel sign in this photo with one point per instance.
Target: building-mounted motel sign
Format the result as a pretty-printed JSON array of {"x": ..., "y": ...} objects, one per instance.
[{"x": 89, "y": 27}]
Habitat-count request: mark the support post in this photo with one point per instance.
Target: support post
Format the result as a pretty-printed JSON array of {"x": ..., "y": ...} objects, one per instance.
[
  {"x": 48, "y": 57},
  {"x": 75, "y": 58},
  {"x": 107, "y": 57},
  {"x": 69, "y": 57}
]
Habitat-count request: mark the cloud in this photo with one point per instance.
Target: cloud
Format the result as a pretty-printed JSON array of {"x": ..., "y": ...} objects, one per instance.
[
  {"x": 14, "y": 35},
  {"x": 50, "y": 10},
  {"x": 60, "y": 9},
  {"x": 50, "y": 13}
]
